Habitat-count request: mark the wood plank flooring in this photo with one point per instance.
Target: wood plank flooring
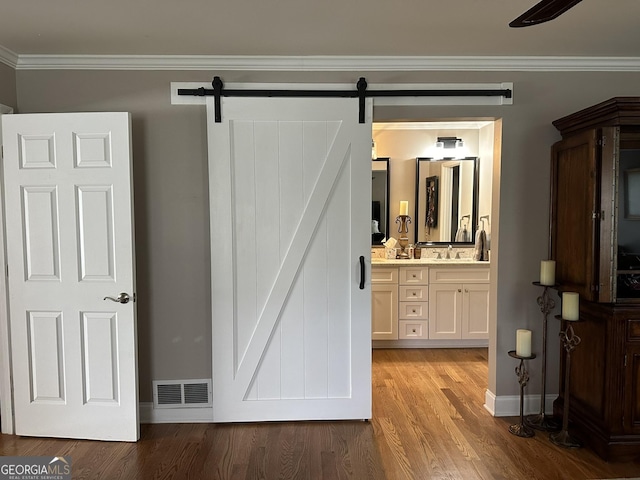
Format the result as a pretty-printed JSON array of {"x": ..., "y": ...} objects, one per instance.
[{"x": 428, "y": 423}]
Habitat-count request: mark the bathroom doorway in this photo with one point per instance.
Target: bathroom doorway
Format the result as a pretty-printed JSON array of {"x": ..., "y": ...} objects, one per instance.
[{"x": 403, "y": 143}]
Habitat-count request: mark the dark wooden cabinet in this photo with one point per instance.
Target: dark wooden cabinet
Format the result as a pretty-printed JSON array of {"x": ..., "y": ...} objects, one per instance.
[{"x": 595, "y": 240}]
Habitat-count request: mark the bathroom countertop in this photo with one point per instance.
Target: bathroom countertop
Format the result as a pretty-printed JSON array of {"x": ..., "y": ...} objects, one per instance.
[{"x": 428, "y": 261}]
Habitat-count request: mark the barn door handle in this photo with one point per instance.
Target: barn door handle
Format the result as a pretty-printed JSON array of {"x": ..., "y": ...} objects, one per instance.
[
  {"x": 122, "y": 298},
  {"x": 361, "y": 272}
]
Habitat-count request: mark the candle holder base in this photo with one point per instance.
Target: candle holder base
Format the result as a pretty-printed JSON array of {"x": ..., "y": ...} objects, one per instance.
[
  {"x": 542, "y": 422},
  {"x": 564, "y": 439},
  {"x": 570, "y": 341},
  {"x": 403, "y": 241},
  {"x": 521, "y": 430}
]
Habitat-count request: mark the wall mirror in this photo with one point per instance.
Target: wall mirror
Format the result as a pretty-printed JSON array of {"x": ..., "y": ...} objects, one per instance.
[
  {"x": 447, "y": 197},
  {"x": 379, "y": 200}
]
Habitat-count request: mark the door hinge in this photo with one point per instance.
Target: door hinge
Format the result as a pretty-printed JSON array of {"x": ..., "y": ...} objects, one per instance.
[
  {"x": 595, "y": 287},
  {"x": 597, "y": 215},
  {"x": 602, "y": 141}
]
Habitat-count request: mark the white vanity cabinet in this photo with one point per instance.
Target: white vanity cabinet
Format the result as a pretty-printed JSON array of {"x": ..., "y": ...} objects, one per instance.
[
  {"x": 384, "y": 303},
  {"x": 459, "y": 303}
]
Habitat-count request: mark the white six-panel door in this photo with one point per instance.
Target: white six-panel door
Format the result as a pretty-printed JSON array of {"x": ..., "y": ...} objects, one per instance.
[
  {"x": 290, "y": 217},
  {"x": 69, "y": 232}
]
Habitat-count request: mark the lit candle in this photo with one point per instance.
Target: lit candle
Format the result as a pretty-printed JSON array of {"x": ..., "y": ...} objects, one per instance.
[
  {"x": 548, "y": 272},
  {"x": 523, "y": 343},
  {"x": 570, "y": 306},
  {"x": 404, "y": 207}
]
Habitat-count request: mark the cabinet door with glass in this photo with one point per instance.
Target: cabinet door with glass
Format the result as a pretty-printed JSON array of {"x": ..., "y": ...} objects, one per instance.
[{"x": 595, "y": 211}]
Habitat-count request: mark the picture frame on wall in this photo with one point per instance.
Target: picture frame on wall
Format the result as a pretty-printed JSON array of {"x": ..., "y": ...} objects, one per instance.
[{"x": 431, "y": 211}]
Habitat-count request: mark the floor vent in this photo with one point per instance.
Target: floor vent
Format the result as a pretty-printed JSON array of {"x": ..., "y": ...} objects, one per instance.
[{"x": 182, "y": 393}]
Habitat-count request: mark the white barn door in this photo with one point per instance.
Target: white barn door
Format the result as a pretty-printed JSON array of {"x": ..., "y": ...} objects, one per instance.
[
  {"x": 69, "y": 234},
  {"x": 290, "y": 193}
]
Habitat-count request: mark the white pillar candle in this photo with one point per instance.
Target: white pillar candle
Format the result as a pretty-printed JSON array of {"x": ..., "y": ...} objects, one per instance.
[
  {"x": 570, "y": 306},
  {"x": 523, "y": 342},
  {"x": 548, "y": 272},
  {"x": 404, "y": 207}
]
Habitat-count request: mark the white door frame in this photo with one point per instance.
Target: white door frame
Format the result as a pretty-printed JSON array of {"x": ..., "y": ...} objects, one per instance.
[{"x": 6, "y": 397}]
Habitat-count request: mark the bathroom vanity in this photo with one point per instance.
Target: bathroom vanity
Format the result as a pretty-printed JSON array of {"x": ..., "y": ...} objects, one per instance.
[{"x": 422, "y": 303}]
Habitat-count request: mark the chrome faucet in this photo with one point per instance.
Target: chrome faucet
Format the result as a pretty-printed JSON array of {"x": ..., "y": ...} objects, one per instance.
[
  {"x": 449, "y": 250},
  {"x": 437, "y": 252}
]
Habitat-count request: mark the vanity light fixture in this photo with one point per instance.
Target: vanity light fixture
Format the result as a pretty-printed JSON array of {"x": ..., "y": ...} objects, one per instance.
[
  {"x": 449, "y": 147},
  {"x": 449, "y": 142}
]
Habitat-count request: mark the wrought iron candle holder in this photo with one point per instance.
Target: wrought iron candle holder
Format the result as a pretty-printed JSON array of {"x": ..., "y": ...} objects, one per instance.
[
  {"x": 541, "y": 421},
  {"x": 403, "y": 230},
  {"x": 520, "y": 429},
  {"x": 570, "y": 341}
]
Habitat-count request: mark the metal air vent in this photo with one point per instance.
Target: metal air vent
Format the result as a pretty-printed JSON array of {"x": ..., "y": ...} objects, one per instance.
[{"x": 182, "y": 393}]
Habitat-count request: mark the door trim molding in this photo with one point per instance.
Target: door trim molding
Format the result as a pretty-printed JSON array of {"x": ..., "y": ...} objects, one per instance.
[{"x": 6, "y": 396}]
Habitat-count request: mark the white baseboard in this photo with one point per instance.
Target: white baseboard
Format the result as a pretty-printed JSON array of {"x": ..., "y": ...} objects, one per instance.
[
  {"x": 497, "y": 406},
  {"x": 148, "y": 414},
  {"x": 411, "y": 343},
  {"x": 509, "y": 405}
]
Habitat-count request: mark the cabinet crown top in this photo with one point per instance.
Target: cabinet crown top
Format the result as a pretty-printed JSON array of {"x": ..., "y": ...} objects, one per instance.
[{"x": 613, "y": 112}]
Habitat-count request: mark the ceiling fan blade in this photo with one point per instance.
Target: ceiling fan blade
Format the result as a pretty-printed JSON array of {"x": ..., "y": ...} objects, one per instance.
[{"x": 543, "y": 12}]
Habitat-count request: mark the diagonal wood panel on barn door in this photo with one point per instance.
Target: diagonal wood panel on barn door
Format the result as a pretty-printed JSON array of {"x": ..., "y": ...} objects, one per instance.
[{"x": 289, "y": 215}]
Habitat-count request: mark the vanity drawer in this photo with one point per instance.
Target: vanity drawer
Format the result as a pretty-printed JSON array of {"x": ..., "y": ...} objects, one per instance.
[
  {"x": 414, "y": 293},
  {"x": 413, "y": 310},
  {"x": 414, "y": 275},
  {"x": 413, "y": 329},
  {"x": 455, "y": 274},
  {"x": 384, "y": 275}
]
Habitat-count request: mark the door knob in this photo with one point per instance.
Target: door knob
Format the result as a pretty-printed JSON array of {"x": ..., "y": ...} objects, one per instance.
[{"x": 122, "y": 298}]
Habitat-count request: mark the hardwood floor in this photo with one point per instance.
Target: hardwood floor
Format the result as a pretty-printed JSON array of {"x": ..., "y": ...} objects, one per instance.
[{"x": 428, "y": 423}]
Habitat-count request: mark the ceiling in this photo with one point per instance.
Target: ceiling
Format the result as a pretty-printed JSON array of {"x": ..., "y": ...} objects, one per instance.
[{"x": 593, "y": 28}]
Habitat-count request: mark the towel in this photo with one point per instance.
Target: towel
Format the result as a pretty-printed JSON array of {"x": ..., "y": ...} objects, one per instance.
[
  {"x": 480, "y": 251},
  {"x": 462, "y": 235}
]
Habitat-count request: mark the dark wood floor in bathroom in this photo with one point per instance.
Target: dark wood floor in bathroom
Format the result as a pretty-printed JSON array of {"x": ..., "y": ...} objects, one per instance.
[{"x": 428, "y": 423}]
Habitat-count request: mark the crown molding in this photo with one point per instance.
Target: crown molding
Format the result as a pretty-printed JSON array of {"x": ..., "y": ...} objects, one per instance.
[
  {"x": 318, "y": 63},
  {"x": 8, "y": 57}
]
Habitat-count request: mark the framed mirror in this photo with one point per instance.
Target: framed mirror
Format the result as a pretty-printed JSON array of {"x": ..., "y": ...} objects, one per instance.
[
  {"x": 379, "y": 200},
  {"x": 447, "y": 196}
]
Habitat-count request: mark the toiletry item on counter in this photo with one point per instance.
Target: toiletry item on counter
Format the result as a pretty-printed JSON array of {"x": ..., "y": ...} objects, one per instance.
[{"x": 390, "y": 248}]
